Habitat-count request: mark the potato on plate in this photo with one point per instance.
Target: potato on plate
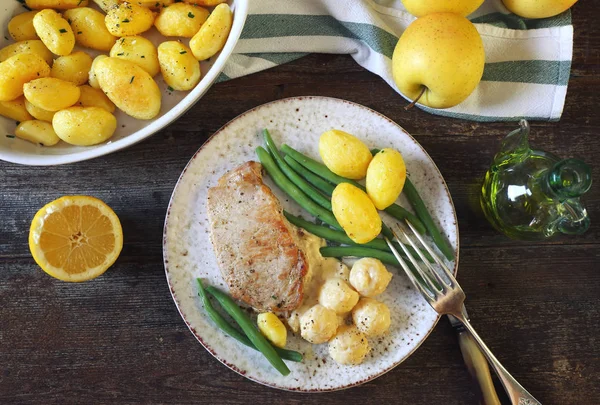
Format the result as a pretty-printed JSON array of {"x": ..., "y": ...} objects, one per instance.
[
  {"x": 369, "y": 277},
  {"x": 356, "y": 213},
  {"x": 213, "y": 34},
  {"x": 89, "y": 28},
  {"x": 38, "y": 132},
  {"x": 51, "y": 94},
  {"x": 126, "y": 19},
  {"x": 180, "y": 20},
  {"x": 179, "y": 68},
  {"x": 91, "y": 97},
  {"x": 92, "y": 79},
  {"x": 29, "y": 46},
  {"x": 385, "y": 178},
  {"x": 54, "y": 31},
  {"x": 39, "y": 113},
  {"x": 15, "y": 109},
  {"x": 349, "y": 346},
  {"x": 73, "y": 68},
  {"x": 338, "y": 296},
  {"x": 207, "y": 3},
  {"x": 344, "y": 154},
  {"x": 56, "y": 4},
  {"x": 20, "y": 27},
  {"x": 106, "y": 5},
  {"x": 129, "y": 86},
  {"x": 138, "y": 50},
  {"x": 318, "y": 324},
  {"x": 84, "y": 126},
  {"x": 371, "y": 317},
  {"x": 18, "y": 70}
]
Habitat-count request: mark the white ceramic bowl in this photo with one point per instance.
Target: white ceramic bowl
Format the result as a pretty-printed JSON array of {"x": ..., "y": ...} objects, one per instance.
[{"x": 129, "y": 130}]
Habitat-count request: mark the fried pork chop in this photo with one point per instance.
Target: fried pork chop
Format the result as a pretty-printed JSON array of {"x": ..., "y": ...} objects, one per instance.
[{"x": 256, "y": 247}]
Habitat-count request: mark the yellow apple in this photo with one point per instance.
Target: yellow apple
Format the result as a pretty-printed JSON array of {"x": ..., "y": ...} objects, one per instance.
[
  {"x": 419, "y": 8},
  {"x": 538, "y": 8},
  {"x": 440, "y": 55}
]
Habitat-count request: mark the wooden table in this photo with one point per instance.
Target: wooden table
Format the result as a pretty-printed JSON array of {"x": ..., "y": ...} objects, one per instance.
[{"x": 119, "y": 339}]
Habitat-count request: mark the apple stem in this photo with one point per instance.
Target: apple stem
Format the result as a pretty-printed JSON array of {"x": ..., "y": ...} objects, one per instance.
[{"x": 416, "y": 100}]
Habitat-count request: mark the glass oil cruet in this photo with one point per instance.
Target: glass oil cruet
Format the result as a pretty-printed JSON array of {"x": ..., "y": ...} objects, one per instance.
[{"x": 532, "y": 194}]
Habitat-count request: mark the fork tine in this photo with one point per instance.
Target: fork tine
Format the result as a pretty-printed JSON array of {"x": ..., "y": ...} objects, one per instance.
[
  {"x": 428, "y": 295},
  {"x": 426, "y": 280},
  {"x": 451, "y": 281},
  {"x": 442, "y": 283},
  {"x": 425, "y": 274}
]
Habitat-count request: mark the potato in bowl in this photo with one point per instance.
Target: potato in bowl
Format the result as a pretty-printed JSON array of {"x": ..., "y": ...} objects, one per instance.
[{"x": 129, "y": 130}]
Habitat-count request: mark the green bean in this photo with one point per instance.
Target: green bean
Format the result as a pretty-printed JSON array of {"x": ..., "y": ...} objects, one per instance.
[
  {"x": 332, "y": 234},
  {"x": 294, "y": 192},
  {"x": 320, "y": 169},
  {"x": 419, "y": 206},
  {"x": 216, "y": 317},
  {"x": 249, "y": 329},
  {"x": 317, "y": 168},
  {"x": 345, "y": 251},
  {"x": 341, "y": 237},
  {"x": 323, "y": 185},
  {"x": 294, "y": 177}
]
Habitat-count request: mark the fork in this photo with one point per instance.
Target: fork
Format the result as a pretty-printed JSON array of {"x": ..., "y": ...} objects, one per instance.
[{"x": 445, "y": 295}]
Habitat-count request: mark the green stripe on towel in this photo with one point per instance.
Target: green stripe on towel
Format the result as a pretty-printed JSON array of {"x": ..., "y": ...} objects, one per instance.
[{"x": 529, "y": 71}]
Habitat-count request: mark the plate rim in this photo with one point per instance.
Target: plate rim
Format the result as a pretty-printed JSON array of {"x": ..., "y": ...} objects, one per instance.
[
  {"x": 168, "y": 118},
  {"x": 192, "y": 329}
]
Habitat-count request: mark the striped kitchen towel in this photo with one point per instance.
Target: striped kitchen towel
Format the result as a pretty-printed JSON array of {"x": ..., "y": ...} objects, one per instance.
[{"x": 527, "y": 61}]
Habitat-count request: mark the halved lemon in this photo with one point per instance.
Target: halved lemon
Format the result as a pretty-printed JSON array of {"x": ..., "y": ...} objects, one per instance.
[{"x": 75, "y": 238}]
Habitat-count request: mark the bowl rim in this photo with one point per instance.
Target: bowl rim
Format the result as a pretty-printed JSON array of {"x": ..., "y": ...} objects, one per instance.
[{"x": 241, "y": 9}]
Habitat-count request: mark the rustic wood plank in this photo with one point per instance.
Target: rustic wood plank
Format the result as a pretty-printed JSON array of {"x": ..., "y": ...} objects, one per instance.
[{"x": 119, "y": 339}]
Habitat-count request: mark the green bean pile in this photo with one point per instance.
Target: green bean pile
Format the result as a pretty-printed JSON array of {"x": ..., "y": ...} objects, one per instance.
[
  {"x": 311, "y": 184},
  {"x": 251, "y": 336}
]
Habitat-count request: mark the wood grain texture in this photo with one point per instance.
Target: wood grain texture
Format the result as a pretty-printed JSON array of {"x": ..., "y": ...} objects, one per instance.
[{"x": 119, "y": 339}]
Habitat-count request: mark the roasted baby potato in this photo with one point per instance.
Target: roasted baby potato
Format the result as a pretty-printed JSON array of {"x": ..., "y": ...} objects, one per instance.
[
  {"x": 356, "y": 213},
  {"x": 179, "y": 68},
  {"x": 91, "y": 97},
  {"x": 106, "y": 5},
  {"x": 54, "y": 31},
  {"x": 371, "y": 317},
  {"x": 138, "y": 50},
  {"x": 38, "y": 132},
  {"x": 15, "y": 109},
  {"x": 51, "y": 94},
  {"x": 39, "y": 113},
  {"x": 92, "y": 79},
  {"x": 18, "y": 70},
  {"x": 213, "y": 34},
  {"x": 153, "y": 4},
  {"x": 73, "y": 68},
  {"x": 338, "y": 296},
  {"x": 272, "y": 328},
  {"x": 369, "y": 277},
  {"x": 30, "y": 46},
  {"x": 385, "y": 178},
  {"x": 318, "y": 324},
  {"x": 129, "y": 86},
  {"x": 349, "y": 346},
  {"x": 20, "y": 27},
  {"x": 84, "y": 126},
  {"x": 344, "y": 154},
  {"x": 180, "y": 20},
  {"x": 89, "y": 28},
  {"x": 126, "y": 19},
  {"x": 207, "y": 3},
  {"x": 56, "y": 4}
]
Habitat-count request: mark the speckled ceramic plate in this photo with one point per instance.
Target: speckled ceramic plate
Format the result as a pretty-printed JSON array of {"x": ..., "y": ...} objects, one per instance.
[{"x": 188, "y": 252}]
